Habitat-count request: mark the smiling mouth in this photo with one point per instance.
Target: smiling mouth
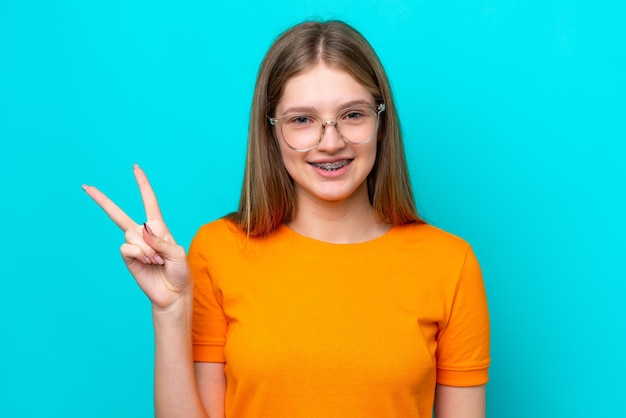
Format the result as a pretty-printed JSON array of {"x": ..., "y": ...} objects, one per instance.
[{"x": 336, "y": 165}]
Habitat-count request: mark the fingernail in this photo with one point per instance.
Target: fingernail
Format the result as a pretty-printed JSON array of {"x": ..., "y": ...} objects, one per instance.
[
  {"x": 158, "y": 259},
  {"x": 135, "y": 165},
  {"x": 147, "y": 228},
  {"x": 84, "y": 186},
  {"x": 147, "y": 259}
]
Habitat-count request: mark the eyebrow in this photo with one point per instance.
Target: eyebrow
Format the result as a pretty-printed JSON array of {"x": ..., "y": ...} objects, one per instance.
[{"x": 311, "y": 109}]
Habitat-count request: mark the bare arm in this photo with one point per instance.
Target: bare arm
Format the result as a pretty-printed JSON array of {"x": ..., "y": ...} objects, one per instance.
[
  {"x": 211, "y": 382},
  {"x": 175, "y": 389},
  {"x": 160, "y": 267},
  {"x": 460, "y": 402}
]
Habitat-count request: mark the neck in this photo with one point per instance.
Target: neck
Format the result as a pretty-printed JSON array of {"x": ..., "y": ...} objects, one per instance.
[{"x": 339, "y": 222}]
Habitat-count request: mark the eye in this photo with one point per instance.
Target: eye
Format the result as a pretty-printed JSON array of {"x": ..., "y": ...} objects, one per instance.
[
  {"x": 298, "y": 120},
  {"x": 353, "y": 114}
]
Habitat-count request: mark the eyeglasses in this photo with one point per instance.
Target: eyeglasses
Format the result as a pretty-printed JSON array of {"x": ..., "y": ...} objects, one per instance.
[{"x": 355, "y": 125}]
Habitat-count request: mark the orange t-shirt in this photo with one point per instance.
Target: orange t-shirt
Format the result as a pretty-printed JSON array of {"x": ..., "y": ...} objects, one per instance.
[{"x": 312, "y": 329}]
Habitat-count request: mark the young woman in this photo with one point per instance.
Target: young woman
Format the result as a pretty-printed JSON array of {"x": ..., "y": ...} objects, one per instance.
[{"x": 324, "y": 295}]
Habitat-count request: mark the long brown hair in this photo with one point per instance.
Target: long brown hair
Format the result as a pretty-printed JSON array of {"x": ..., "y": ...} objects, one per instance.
[{"x": 268, "y": 196}]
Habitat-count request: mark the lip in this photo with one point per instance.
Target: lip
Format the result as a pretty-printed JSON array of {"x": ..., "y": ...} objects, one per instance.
[
  {"x": 334, "y": 173},
  {"x": 329, "y": 160}
]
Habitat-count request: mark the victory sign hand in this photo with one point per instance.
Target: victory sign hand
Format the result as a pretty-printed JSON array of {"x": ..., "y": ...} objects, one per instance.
[{"x": 157, "y": 263}]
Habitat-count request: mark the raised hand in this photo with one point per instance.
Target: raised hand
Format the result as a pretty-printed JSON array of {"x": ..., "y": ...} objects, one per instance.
[{"x": 157, "y": 263}]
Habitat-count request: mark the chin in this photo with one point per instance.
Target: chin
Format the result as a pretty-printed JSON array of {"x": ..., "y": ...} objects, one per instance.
[{"x": 337, "y": 194}]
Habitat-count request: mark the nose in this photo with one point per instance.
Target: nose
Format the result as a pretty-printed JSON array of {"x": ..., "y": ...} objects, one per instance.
[{"x": 331, "y": 140}]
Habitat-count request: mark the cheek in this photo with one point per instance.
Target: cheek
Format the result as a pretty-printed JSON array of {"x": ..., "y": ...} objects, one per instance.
[
  {"x": 372, "y": 152},
  {"x": 289, "y": 159}
]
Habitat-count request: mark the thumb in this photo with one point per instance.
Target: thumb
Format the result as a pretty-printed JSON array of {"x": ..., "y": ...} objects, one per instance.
[{"x": 168, "y": 250}]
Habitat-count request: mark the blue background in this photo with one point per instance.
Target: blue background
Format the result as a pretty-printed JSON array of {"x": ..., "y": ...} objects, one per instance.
[{"x": 513, "y": 114}]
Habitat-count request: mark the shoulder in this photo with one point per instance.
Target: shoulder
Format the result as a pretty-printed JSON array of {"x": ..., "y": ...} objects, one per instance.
[
  {"x": 223, "y": 238},
  {"x": 219, "y": 229},
  {"x": 214, "y": 235},
  {"x": 428, "y": 245},
  {"x": 424, "y": 234}
]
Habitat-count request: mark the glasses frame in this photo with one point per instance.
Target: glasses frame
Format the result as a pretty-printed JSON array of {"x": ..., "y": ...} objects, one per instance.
[{"x": 378, "y": 109}]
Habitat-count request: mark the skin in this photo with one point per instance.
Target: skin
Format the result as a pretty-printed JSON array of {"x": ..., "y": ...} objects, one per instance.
[
  {"x": 159, "y": 265},
  {"x": 333, "y": 208},
  {"x": 455, "y": 402}
]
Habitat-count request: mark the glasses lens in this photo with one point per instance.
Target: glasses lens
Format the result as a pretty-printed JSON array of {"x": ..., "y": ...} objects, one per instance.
[
  {"x": 355, "y": 125},
  {"x": 301, "y": 131}
]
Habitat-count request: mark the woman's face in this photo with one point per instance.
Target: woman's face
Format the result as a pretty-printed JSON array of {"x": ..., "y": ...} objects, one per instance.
[{"x": 334, "y": 171}]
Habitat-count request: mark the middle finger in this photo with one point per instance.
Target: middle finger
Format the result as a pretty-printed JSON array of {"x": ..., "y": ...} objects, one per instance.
[{"x": 151, "y": 206}]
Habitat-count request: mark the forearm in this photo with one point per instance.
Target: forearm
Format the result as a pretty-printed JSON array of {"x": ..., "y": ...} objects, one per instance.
[{"x": 175, "y": 388}]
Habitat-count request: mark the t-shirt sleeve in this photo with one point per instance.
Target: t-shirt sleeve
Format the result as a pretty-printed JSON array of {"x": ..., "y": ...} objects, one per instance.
[
  {"x": 209, "y": 323},
  {"x": 463, "y": 344}
]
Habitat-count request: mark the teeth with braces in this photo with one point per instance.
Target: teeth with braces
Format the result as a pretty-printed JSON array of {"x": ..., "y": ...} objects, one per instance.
[{"x": 332, "y": 166}]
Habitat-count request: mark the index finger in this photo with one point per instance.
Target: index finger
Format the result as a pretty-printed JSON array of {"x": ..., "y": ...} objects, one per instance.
[
  {"x": 150, "y": 204},
  {"x": 117, "y": 215}
]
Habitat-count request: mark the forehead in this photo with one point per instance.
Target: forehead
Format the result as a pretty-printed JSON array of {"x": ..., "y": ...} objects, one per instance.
[{"x": 323, "y": 88}]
